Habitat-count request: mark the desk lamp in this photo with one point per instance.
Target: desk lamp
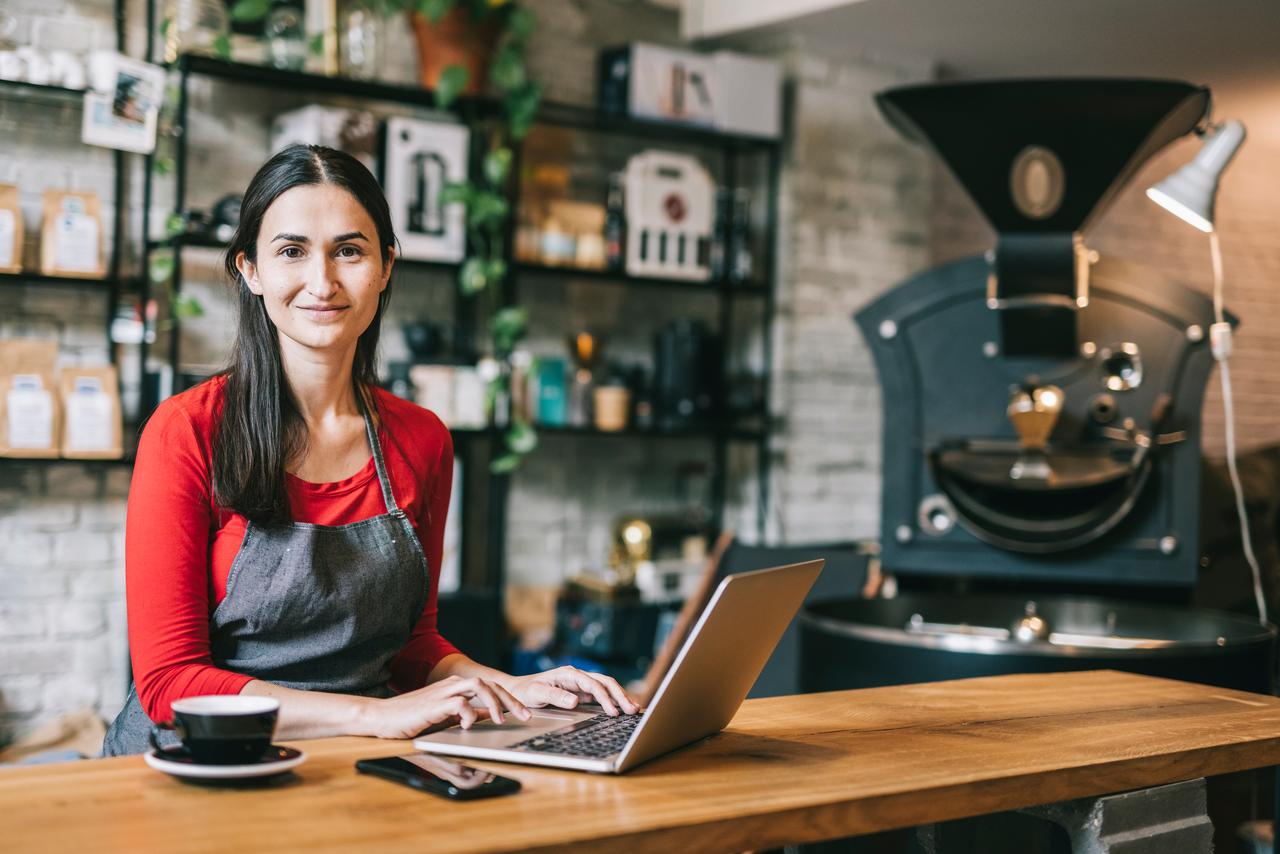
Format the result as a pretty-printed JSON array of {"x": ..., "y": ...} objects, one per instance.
[{"x": 1190, "y": 194}]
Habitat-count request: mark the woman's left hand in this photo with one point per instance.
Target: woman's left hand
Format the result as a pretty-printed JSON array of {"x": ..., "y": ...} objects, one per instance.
[{"x": 561, "y": 687}]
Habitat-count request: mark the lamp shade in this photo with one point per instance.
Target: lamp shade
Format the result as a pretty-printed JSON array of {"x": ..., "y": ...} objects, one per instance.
[{"x": 1190, "y": 192}]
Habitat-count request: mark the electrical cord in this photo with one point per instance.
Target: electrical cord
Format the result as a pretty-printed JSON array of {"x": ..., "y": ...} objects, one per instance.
[{"x": 1220, "y": 342}]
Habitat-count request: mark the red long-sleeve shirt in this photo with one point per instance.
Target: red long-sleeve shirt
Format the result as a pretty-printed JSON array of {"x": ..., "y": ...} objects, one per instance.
[{"x": 179, "y": 546}]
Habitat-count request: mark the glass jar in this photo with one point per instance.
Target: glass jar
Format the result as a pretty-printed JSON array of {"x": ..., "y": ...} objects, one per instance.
[
  {"x": 285, "y": 34},
  {"x": 360, "y": 37},
  {"x": 194, "y": 26}
]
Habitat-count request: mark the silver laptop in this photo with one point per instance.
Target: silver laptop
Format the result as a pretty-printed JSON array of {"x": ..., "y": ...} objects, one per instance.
[{"x": 702, "y": 691}]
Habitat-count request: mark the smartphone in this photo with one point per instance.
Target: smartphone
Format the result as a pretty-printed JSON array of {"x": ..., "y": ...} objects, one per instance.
[{"x": 439, "y": 776}]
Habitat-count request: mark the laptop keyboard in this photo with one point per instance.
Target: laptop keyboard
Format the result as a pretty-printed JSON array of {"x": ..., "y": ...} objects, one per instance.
[{"x": 596, "y": 737}]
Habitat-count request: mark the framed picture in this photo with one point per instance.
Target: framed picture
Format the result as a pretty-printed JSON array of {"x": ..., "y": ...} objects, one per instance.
[
  {"x": 122, "y": 105},
  {"x": 421, "y": 157}
]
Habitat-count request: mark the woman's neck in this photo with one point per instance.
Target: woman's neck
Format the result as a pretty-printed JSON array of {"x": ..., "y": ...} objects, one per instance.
[{"x": 320, "y": 381}]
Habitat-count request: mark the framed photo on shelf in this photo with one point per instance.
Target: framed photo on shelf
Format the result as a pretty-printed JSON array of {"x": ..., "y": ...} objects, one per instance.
[
  {"x": 420, "y": 158},
  {"x": 122, "y": 105}
]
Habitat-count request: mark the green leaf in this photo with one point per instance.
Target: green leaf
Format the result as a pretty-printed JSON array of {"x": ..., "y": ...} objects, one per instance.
[
  {"x": 250, "y": 10},
  {"x": 174, "y": 225},
  {"x": 521, "y": 23},
  {"x": 316, "y": 44},
  {"x": 522, "y": 108},
  {"x": 507, "y": 69},
  {"x": 486, "y": 208},
  {"x": 495, "y": 271},
  {"x": 162, "y": 165},
  {"x": 164, "y": 27},
  {"x": 472, "y": 279},
  {"x": 505, "y": 464},
  {"x": 456, "y": 193},
  {"x": 497, "y": 164},
  {"x": 185, "y": 307},
  {"x": 222, "y": 46},
  {"x": 450, "y": 85},
  {"x": 160, "y": 266},
  {"x": 506, "y": 327},
  {"x": 434, "y": 10},
  {"x": 521, "y": 438}
]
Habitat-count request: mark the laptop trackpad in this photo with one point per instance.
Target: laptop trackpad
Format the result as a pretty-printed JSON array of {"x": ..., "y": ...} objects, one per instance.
[{"x": 488, "y": 734}]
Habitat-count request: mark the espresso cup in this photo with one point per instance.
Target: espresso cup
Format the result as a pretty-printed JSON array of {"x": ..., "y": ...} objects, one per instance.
[{"x": 222, "y": 729}]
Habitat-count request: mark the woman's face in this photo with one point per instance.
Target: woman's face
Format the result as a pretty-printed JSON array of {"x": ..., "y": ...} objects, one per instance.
[{"x": 319, "y": 269}]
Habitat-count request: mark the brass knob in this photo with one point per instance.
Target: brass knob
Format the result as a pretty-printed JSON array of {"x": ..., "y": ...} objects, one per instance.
[{"x": 1034, "y": 413}]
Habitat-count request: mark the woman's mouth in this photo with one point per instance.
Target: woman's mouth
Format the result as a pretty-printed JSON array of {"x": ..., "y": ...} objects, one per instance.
[{"x": 322, "y": 313}]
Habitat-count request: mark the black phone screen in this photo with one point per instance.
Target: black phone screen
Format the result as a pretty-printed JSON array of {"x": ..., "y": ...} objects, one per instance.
[{"x": 439, "y": 775}]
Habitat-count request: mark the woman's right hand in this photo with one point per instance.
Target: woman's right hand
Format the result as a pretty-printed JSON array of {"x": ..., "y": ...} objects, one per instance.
[{"x": 440, "y": 703}]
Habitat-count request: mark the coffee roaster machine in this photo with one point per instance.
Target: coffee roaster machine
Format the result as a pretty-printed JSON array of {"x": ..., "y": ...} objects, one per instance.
[{"x": 1041, "y": 415}]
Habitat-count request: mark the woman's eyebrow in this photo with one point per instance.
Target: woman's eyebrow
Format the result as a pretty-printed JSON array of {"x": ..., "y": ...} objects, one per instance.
[
  {"x": 292, "y": 238},
  {"x": 350, "y": 235}
]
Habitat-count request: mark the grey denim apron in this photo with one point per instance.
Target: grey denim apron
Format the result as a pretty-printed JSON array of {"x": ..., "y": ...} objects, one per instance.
[{"x": 312, "y": 607}]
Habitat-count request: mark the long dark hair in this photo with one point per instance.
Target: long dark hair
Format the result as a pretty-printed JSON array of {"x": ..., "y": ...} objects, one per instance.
[{"x": 261, "y": 429}]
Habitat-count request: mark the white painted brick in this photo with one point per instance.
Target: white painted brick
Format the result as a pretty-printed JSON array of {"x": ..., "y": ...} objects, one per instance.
[
  {"x": 34, "y": 656},
  {"x": 22, "y": 550},
  {"x": 23, "y": 620},
  {"x": 97, "y": 586},
  {"x": 76, "y": 619},
  {"x": 69, "y": 693},
  {"x": 39, "y": 515},
  {"x": 40, "y": 583},
  {"x": 21, "y": 694},
  {"x": 104, "y": 513},
  {"x": 76, "y": 547}
]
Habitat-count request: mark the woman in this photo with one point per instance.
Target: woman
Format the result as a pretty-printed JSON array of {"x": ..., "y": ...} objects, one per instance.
[{"x": 286, "y": 518}]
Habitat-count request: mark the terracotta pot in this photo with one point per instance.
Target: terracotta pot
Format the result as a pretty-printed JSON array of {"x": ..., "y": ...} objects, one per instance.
[{"x": 456, "y": 39}]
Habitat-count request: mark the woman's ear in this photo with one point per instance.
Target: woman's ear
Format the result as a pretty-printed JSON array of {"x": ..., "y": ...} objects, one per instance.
[
  {"x": 386, "y": 268},
  {"x": 249, "y": 272}
]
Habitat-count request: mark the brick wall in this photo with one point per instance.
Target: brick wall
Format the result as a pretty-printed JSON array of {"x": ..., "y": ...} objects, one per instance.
[{"x": 854, "y": 213}]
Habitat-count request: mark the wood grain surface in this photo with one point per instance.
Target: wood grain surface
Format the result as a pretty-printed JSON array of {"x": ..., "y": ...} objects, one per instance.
[{"x": 788, "y": 769}]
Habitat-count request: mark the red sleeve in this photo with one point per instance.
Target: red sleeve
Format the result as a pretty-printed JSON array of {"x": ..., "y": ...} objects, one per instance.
[
  {"x": 426, "y": 646},
  {"x": 167, "y": 567}
]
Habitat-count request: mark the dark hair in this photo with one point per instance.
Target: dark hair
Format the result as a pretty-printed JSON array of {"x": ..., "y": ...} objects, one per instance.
[{"x": 261, "y": 429}]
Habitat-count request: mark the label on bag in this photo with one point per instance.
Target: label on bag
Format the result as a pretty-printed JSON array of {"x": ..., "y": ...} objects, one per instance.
[
  {"x": 76, "y": 238},
  {"x": 7, "y": 235},
  {"x": 30, "y": 409},
  {"x": 89, "y": 417}
]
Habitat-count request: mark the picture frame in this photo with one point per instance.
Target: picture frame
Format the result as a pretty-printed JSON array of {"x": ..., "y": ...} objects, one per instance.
[
  {"x": 420, "y": 158},
  {"x": 122, "y": 104}
]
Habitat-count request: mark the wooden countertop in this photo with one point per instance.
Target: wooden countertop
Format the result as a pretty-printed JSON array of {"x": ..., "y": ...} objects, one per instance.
[{"x": 788, "y": 769}]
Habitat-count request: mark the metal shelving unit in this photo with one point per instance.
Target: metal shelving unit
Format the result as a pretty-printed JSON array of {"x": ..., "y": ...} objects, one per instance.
[
  {"x": 486, "y": 495},
  {"x": 113, "y": 285}
]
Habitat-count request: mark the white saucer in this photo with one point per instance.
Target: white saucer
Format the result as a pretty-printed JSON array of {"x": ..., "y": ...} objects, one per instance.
[{"x": 289, "y": 758}]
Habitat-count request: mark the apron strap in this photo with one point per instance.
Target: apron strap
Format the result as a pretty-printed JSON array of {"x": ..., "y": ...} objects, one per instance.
[{"x": 376, "y": 447}]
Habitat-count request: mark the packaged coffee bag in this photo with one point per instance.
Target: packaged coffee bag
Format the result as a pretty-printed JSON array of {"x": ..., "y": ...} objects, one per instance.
[
  {"x": 71, "y": 236},
  {"x": 91, "y": 428},
  {"x": 11, "y": 230},
  {"x": 30, "y": 413}
]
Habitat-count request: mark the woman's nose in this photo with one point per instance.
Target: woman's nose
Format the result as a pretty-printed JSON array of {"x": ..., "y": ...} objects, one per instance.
[{"x": 323, "y": 281}]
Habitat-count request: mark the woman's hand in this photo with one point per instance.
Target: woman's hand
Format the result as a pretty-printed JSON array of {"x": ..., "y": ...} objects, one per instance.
[
  {"x": 563, "y": 686},
  {"x": 450, "y": 700}
]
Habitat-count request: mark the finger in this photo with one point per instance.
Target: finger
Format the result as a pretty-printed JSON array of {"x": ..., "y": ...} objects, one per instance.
[
  {"x": 550, "y": 694},
  {"x": 483, "y": 691},
  {"x": 592, "y": 685},
  {"x": 619, "y": 694},
  {"x": 509, "y": 700},
  {"x": 463, "y": 711}
]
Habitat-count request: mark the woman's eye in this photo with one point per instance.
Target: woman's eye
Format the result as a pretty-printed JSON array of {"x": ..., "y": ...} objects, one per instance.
[
  {"x": 349, "y": 251},
  {"x": 289, "y": 251}
]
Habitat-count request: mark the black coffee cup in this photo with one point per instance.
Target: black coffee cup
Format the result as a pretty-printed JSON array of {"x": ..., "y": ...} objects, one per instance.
[{"x": 222, "y": 729}]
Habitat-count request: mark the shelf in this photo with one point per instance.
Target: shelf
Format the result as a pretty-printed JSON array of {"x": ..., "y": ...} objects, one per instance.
[
  {"x": 194, "y": 241},
  {"x": 39, "y": 279},
  {"x": 23, "y": 89},
  {"x": 732, "y": 434},
  {"x": 590, "y": 119},
  {"x": 303, "y": 82},
  {"x": 550, "y": 113},
  {"x": 609, "y": 277},
  {"x": 126, "y": 460}
]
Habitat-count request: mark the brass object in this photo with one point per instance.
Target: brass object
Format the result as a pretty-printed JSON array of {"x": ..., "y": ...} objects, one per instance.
[{"x": 1034, "y": 413}]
